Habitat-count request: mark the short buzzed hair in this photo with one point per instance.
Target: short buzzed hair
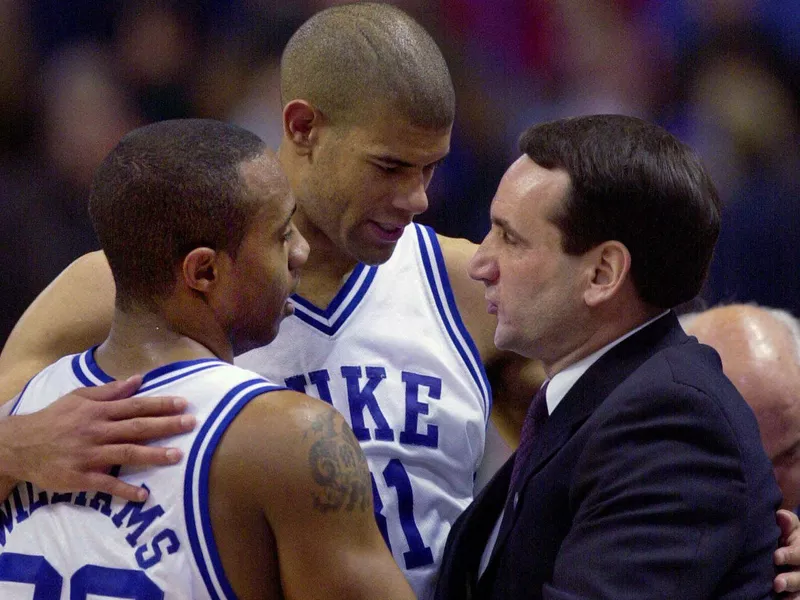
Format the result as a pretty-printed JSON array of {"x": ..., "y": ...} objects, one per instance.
[
  {"x": 352, "y": 59},
  {"x": 164, "y": 190}
]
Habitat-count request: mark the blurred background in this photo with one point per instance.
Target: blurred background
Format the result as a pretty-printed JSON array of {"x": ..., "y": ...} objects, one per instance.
[{"x": 723, "y": 75}]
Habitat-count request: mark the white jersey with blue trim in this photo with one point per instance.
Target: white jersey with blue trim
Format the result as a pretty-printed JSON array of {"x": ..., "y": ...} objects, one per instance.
[
  {"x": 391, "y": 353},
  {"x": 89, "y": 544}
]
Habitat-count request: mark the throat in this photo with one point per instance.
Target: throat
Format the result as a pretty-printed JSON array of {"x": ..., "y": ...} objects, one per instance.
[{"x": 320, "y": 288}]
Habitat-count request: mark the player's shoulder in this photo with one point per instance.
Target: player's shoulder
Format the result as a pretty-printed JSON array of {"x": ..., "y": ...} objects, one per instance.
[
  {"x": 287, "y": 438},
  {"x": 282, "y": 422}
]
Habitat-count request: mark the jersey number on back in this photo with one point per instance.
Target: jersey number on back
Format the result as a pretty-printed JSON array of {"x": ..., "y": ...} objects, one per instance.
[{"x": 89, "y": 579}]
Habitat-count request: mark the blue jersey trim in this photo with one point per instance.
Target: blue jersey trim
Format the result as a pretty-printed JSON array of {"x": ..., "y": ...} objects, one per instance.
[
  {"x": 90, "y": 374},
  {"x": 321, "y": 320},
  {"x": 200, "y": 463},
  {"x": 171, "y": 367},
  {"x": 337, "y": 300},
  {"x": 94, "y": 368},
  {"x": 466, "y": 345},
  {"x": 19, "y": 397}
]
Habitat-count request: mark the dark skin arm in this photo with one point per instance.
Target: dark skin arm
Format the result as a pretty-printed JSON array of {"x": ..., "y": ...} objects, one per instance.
[{"x": 291, "y": 491}]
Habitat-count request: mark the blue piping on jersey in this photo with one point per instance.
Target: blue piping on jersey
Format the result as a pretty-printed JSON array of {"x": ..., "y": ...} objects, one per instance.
[
  {"x": 214, "y": 426},
  {"x": 19, "y": 398},
  {"x": 204, "y": 367},
  {"x": 475, "y": 366},
  {"x": 91, "y": 367},
  {"x": 319, "y": 319},
  {"x": 337, "y": 300},
  {"x": 82, "y": 373}
]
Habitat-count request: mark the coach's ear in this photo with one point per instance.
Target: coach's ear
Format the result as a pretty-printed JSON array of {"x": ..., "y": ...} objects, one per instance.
[
  {"x": 301, "y": 124},
  {"x": 608, "y": 267},
  {"x": 200, "y": 269}
]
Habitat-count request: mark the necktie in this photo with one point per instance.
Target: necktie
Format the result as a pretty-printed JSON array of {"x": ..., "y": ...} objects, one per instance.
[{"x": 534, "y": 419}]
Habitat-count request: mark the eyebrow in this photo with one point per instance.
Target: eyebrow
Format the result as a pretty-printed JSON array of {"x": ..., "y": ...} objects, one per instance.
[{"x": 503, "y": 224}]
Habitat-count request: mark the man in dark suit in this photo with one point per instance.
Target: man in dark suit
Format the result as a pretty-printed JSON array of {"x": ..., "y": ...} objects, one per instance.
[{"x": 640, "y": 472}]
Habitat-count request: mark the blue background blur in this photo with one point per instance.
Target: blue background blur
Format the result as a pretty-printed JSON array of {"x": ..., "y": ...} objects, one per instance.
[{"x": 723, "y": 75}]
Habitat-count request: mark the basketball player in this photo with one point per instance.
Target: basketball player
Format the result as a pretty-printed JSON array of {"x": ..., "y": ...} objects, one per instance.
[
  {"x": 388, "y": 327},
  {"x": 273, "y": 499}
]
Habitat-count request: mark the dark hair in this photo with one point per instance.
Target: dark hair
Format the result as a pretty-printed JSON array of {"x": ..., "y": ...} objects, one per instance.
[
  {"x": 633, "y": 182},
  {"x": 164, "y": 190},
  {"x": 351, "y": 59}
]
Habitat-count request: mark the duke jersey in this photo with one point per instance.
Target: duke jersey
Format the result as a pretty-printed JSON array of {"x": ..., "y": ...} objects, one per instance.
[
  {"x": 391, "y": 353},
  {"x": 84, "y": 545}
]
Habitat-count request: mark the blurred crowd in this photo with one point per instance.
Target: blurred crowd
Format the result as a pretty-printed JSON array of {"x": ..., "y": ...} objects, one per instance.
[{"x": 723, "y": 75}]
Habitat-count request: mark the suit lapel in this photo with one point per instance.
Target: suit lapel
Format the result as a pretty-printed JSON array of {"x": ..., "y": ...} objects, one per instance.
[
  {"x": 470, "y": 533},
  {"x": 589, "y": 392}
]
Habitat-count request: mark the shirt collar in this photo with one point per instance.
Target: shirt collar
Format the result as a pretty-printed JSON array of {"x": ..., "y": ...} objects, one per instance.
[{"x": 562, "y": 382}]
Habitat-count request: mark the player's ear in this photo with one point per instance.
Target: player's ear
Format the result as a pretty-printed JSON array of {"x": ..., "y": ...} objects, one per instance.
[
  {"x": 200, "y": 269},
  {"x": 301, "y": 124},
  {"x": 608, "y": 268}
]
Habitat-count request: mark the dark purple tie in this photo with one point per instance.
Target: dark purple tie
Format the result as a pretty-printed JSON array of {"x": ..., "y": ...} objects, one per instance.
[{"x": 534, "y": 419}]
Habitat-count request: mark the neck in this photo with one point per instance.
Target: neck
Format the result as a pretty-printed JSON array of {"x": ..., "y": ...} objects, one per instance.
[
  {"x": 326, "y": 267},
  {"x": 140, "y": 341},
  {"x": 603, "y": 333}
]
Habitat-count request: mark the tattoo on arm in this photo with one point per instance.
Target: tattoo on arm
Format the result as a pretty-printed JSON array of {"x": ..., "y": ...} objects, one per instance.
[{"x": 338, "y": 467}]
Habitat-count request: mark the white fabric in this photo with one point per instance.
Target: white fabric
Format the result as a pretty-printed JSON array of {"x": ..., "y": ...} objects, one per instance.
[
  {"x": 92, "y": 541},
  {"x": 396, "y": 326}
]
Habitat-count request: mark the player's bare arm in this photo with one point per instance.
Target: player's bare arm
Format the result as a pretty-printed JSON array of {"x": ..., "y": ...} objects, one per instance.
[
  {"x": 514, "y": 379},
  {"x": 72, "y": 313},
  {"x": 298, "y": 462}
]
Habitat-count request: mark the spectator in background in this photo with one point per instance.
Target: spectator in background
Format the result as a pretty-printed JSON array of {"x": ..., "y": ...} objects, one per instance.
[
  {"x": 513, "y": 63},
  {"x": 760, "y": 351}
]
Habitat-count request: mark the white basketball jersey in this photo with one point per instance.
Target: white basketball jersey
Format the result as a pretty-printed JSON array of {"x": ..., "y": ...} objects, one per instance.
[
  {"x": 89, "y": 545},
  {"x": 391, "y": 353}
]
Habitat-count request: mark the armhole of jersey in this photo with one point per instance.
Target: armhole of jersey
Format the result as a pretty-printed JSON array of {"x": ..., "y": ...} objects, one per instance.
[
  {"x": 439, "y": 284},
  {"x": 195, "y": 491},
  {"x": 18, "y": 399}
]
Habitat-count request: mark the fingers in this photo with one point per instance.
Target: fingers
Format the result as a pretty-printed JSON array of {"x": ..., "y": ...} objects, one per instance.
[
  {"x": 140, "y": 406},
  {"x": 116, "y": 487},
  {"x": 146, "y": 429},
  {"x": 112, "y": 391},
  {"x": 788, "y": 555},
  {"x": 789, "y": 525},
  {"x": 133, "y": 455},
  {"x": 788, "y": 582}
]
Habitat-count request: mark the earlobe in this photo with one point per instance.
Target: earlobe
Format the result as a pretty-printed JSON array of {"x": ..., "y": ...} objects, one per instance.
[
  {"x": 301, "y": 122},
  {"x": 609, "y": 270},
  {"x": 199, "y": 269}
]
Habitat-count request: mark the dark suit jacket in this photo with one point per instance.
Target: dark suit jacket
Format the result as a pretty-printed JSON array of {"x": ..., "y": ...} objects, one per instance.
[{"x": 648, "y": 481}]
